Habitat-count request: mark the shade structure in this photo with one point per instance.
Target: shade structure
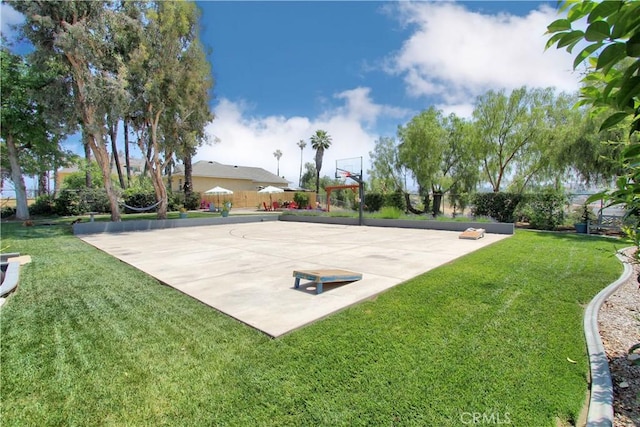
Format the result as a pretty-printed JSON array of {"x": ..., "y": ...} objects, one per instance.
[
  {"x": 218, "y": 190},
  {"x": 270, "y": 189}
]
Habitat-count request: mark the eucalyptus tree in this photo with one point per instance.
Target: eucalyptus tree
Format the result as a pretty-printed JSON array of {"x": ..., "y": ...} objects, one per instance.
[
  {"x": 31, "y": 130},
  {"x": 82, "y": 37},
  {"x": 320, "y": 141},
  {"x": 167, "y": 62},
  {"x": 301, "y": 144},
  {"x": 190, "y": 113},
  {"x": 278, "y": 154}
]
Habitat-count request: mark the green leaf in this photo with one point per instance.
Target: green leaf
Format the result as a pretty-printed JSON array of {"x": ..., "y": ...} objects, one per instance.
[
  {"x": 630, "y": 89},
  {"x": 631, "y": 151},
  {"x": 633, "y": 46},
  {"x": 612, "y": 54},
  {"x": 579, "y": 10},
  {"x": 569, "y": 38},
  {"x": 613, "y": 120},
  {"x": 585, "y": 53},
  {"x": 598, "y": 31},
  {"x": 553, "y": 40},
  {"x": 603, "y": 9},
  {"x": 559, "y": 25}
]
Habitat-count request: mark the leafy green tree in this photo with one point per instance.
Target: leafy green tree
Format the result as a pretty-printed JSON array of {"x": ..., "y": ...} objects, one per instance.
[
  {"x": 31, "y": 137},
  {"x": 387, "y": 173},
  {"x": 81, "y": 37},
  {"x": 309, "y": 175},
  {"x": 168, "y": 62},
  {"x": 515, "y": 134},
  {"x": 423, "y": 141},
  {"x": 320, "y": 142}
]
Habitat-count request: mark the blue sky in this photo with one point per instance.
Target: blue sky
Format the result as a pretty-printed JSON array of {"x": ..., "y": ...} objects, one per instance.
[{"x": 359, "y": 69}]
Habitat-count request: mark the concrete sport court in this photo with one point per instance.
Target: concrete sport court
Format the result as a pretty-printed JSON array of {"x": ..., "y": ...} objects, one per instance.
[{"x": 245, "y": 270}]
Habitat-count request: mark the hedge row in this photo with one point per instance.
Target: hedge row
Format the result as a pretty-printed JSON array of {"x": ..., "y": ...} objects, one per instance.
[{"x": 78, "y": 202}]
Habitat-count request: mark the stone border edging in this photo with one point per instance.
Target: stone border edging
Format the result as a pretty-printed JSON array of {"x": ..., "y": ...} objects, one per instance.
[{"x": 600, "y": 412}]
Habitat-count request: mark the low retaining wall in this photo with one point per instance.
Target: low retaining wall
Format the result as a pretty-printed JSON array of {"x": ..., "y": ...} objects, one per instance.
[
  {"x": 155, "y": 224},
  {"x": 490, "y": 227}
]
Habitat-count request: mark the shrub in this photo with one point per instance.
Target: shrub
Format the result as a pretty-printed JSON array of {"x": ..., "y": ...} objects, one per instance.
[
  {"x": 78, "y": 202},
  {"x": 544, "y": 211},
  {"x": 396, "y": 200},
  {"x": 193, "y": 201},
  {"x": 7, "y": 212},
  {"x": 301, "y": 199},
  {"x": 499, "y": 206},
  {"x": 43, "y": 206},
  {"x": 389, "y": 212},
  {"x": 139, "y": 197},
  {"x": 373, "y": 201}
]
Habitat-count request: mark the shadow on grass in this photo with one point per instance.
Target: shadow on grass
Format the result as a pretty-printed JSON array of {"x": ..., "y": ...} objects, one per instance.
[{"x": 40, "y": 229}]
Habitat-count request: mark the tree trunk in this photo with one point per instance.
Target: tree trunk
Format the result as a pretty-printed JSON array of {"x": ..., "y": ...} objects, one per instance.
[
  {"x": 43, "y": 183},
  {"x": 102, "y": 157},
  {"x": 188, "y": 175},
  {"x": 300, "y": 179},
  {"x": 427, "y": 202},
  {"x": 113, "y": 134},
  {"x": 437, "y": 202},
  {"x": 22, "y": 208},
  {"x": 410, "y": 208},
  {"x": 55, "y": 183},
  {"x": 92, "y": 132},
  {"x": 126, "y": 151},
  {"x": 152, "y": 163},
  {"x": 87, "y": 155}
]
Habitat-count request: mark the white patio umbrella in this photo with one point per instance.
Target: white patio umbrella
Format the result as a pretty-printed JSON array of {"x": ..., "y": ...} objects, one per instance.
[
  {"x": 218, "y": 190},
  {"x": 270, "y": 189}
]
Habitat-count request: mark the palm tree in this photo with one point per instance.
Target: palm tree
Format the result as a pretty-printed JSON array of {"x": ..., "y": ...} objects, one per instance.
[
  {"x": 277, "y": 154},
  {"x": 301, "y": 144},
  {"x": 320, "y": 142}
]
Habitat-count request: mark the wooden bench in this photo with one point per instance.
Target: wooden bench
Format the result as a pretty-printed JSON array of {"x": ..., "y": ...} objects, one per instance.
[{"x": 318, "y": 277}]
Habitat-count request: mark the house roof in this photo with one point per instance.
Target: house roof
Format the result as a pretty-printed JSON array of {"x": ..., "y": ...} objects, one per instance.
[{"x": 204, "y": 168}]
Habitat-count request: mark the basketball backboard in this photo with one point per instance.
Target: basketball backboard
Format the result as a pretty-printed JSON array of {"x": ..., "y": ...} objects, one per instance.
[{"x": 349, "y": 168}]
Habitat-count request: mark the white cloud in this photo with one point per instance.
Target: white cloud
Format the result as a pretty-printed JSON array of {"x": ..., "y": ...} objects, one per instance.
[
  {"x": 455, "y": 54},
  {"x": 9, "y": 17},
  {"x": 251, "y": 141}
]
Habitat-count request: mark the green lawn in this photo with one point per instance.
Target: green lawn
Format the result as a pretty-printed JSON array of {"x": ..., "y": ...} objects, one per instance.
[{"x": 88, "y": 340}]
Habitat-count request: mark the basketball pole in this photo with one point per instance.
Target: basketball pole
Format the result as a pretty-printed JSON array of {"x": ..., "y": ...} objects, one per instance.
[{"x": 358, "y": 178}]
